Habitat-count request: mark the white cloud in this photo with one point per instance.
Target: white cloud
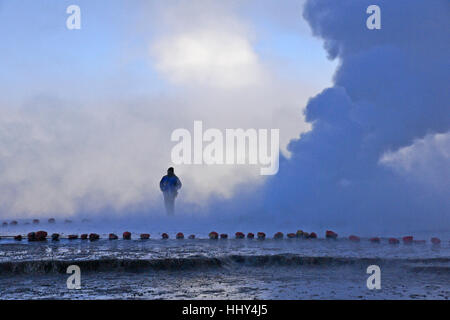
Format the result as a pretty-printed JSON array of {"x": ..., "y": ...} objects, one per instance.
[
  {"x": 427, "y": 160},
  {"x": 208, "y": 58}
]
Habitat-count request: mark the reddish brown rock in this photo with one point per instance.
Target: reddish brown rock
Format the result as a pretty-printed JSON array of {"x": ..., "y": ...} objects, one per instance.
[
  {"x": 408, "y": 240},
  {"x": 435, "y": 240},
  {"x": 180, "y": 235},
  {"x": 239, "y": 235},
  {"x": 126, "y": 235},
  {"x": 331, "y": 235},
  {"x": 93, "y": 236},
  {"x": 213, "y": 235},
  {"x": 278, "y": 235},
  {"x": 394, "y": 241},
  {"x": 113, "y": 236}
]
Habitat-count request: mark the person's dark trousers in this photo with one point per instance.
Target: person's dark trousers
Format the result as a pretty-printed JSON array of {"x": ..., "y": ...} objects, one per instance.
[{"x": 169, "y": 202}]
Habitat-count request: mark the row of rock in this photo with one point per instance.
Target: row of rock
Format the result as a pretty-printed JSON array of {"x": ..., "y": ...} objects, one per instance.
[
  {"x": 42, "y": 235},
  {"x": 37, "y": 221}
]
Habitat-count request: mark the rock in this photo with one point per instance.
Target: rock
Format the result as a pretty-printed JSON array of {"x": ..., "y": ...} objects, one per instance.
[
  {"x": 435, "y": 240},
  {"x": 51, "y": 220},
  {"x": 18, "y": 237},
  {"x": 55, "y": 237},
  {"x": 13, "y": 223},
  {"x": 261, "y": 235},
  {"x": 126, "y": 235},
  {"x": 213, "y": 235},
  {"x": 31, "y": 236},
  {"x": 278, "y": 235},
  {"x": 41, "y": 236},
  {"x": 165, "y": 236},
  {"x": 375, "y": 240},
  {"x": 250, "y": 235},
  {"x": 312, "y": 235},
  {"x": 291, "y": 235},
  {"x": 394, "y": 241},
  {"x": 330, "y": 234},
  {"x": 180, "y": 235},
  {"x": 192, "y": 236},
  {"x": 354, "y": 238},
  {"x": 223, "y": 236},
  {"x": 145, "y": 236},
  {"x": 35, "y": 221},
  {"x": 84, "y": 236},
  {"x": 408, "y": 240},
  {"x": 113, "y": 236},
  {"x": 73, "y": 236},
  {"x": 93, "y": 237},
  {"x": 239, "y": 235}
]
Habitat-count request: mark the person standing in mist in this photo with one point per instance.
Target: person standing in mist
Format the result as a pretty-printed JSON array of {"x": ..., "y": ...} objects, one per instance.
[{"x": 169, "y": 185}]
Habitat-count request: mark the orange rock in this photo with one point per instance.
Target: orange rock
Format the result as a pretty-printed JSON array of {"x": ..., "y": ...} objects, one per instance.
[
  {"x": 261, "y": 235},
  {"x": 250, "y": 235},
  {"x": 145, "y": 236},
  {"x": 165, "y": 236}
]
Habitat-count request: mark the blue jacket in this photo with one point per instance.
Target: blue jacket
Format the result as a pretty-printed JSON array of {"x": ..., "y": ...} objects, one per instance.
[{"x": 170, "y": 184}]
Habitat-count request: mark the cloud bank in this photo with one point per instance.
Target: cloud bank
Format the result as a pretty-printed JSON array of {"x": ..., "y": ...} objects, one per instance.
[
  {"x": 87, "y": 129},
  {"x": 377, "y": 156}
]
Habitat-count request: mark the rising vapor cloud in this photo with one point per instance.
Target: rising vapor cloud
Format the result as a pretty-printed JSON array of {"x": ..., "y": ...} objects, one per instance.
[{"x": 377, "y": 157}]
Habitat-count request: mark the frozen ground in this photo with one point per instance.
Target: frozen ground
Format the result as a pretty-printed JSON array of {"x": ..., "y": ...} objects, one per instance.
[{"x": 223, "y": 269}]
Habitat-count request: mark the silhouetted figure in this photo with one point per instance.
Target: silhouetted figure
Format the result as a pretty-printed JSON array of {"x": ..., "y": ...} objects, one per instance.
[{"x": 169, "y": 185}]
